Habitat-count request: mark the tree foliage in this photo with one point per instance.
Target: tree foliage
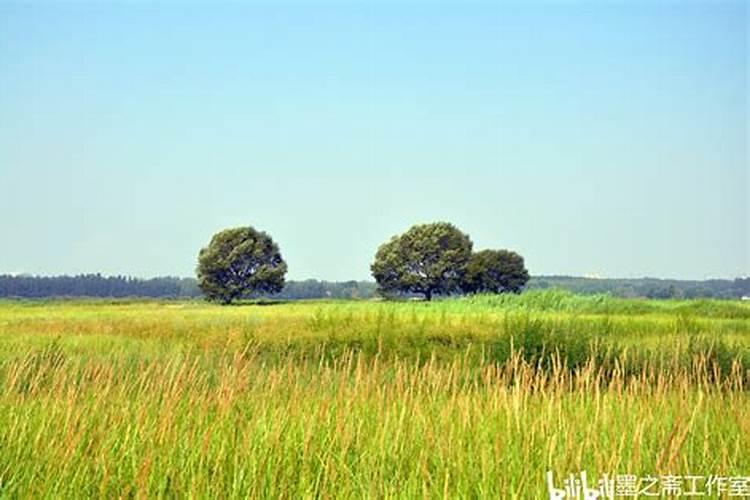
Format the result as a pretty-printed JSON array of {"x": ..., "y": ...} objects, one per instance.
[
  {"x": 96, "y": 285},
  {"x": 240, "y": 262},
  {"x": 495, "y": 271},
  {"x": 427, "y": 259}
]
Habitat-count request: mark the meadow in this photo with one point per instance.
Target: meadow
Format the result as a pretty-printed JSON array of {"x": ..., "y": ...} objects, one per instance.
[{"x": 474, "y": 397}]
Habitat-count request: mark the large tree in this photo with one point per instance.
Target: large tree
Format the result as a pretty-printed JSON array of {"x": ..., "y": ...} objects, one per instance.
[
  {"x": 239, "y": 262},
  {"x": 495, "y": 271},
  {"x": 428, "y": 259}
]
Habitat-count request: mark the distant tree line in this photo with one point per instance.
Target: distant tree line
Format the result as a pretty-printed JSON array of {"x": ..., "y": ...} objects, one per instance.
[
  {"x": 314, "y": 289},
  {"x": 96, "y": 285},
  {"x": 426, "y": 260},
  {"x": 653, "y": 288}
]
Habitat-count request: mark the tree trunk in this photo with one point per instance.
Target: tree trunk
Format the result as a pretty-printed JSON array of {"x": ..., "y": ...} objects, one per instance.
[{"x": 428, "y": 295}]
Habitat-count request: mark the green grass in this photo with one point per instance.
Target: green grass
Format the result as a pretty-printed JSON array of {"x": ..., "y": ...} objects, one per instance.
[{"x": 470, "y": 398}]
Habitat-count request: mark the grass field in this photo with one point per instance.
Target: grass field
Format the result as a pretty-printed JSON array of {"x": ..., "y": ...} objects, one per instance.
[{"x": 465, "y": 398}]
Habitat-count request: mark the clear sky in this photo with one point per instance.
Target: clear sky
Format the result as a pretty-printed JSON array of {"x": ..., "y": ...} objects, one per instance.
[{"x": 604, "y": 138}]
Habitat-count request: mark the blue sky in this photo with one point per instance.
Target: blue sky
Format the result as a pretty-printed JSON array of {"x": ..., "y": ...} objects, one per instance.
[{"x": 604, "y": 138}]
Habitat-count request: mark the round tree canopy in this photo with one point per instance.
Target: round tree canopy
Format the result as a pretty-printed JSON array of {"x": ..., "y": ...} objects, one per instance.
[
  {"x": 495, "y": 271},
  {"x": 239, "y": 262},
  {"x": 427, "y": 259}
]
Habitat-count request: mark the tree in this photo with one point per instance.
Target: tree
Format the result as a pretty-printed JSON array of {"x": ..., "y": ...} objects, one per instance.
[
  {"x": 495, "y": 271},
  {"x": 428, "y": 259},
  {"x": 239, "y": 262}
]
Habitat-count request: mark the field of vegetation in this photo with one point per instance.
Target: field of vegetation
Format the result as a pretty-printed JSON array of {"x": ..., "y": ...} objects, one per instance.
[{"x": 476, "y": 397}]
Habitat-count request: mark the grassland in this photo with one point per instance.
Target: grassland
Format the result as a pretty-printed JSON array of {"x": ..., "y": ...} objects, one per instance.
[{"x": 465, "y": 398}]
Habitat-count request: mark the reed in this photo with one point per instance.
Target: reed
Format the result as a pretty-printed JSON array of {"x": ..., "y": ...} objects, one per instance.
[{"x": 460, "y": 399}]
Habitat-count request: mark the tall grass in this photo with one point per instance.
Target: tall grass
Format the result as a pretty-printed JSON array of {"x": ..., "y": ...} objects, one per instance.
[{"x": 459, "y": 399}]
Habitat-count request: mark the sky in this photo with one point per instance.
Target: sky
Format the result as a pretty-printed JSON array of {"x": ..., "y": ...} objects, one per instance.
[{"x": 595, "y": 138}]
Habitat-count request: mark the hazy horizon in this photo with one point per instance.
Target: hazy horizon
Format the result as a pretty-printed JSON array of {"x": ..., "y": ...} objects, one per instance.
[
  {"x": 603, "y": 139},
  {"x": 368, "y": 279}
]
